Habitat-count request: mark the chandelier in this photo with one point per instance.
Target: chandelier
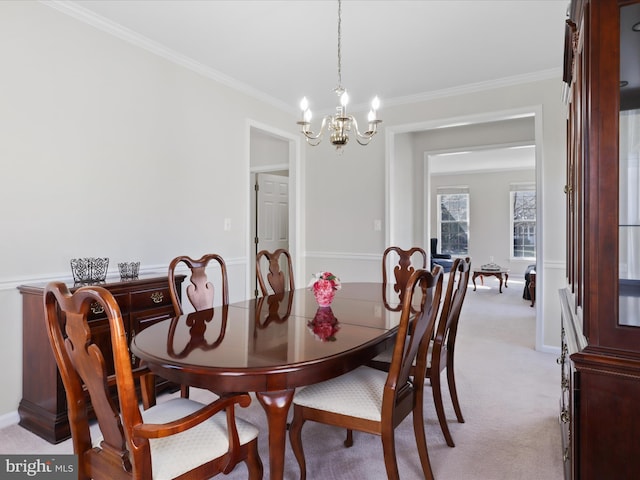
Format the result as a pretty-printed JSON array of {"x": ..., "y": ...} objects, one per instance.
[{"x": 339, "y": 124}]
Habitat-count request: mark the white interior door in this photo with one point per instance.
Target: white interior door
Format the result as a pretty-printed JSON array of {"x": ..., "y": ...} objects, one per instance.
[{"x": 272, "y": 212}]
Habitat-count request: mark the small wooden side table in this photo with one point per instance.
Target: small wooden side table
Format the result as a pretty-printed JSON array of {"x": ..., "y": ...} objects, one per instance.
[{"x": 499, "y": 274}]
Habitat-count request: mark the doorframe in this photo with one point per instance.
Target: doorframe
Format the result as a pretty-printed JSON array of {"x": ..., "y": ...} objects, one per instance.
[
  {"x": 296, "y": 207},
  {"x": 535, "y": 110}
]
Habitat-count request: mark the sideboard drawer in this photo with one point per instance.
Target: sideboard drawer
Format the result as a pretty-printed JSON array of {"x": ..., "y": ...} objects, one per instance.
[{"x": 152, "y": 298}]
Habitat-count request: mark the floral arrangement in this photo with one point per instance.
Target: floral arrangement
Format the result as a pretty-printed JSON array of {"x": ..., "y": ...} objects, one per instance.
[
  {"x": 325, "y": 279},
  {"x": 324, "y": 286},
  {"x": 324, "y": 325}
]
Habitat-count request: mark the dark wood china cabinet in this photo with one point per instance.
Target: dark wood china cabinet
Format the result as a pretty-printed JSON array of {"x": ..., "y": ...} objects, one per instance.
[
  {"x": 600, "y": 359},
  {"x": 43, "y": 409}
]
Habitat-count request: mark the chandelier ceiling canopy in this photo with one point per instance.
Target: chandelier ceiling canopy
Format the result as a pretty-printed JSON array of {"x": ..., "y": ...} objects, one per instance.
[{"x": 340, "y": 124}]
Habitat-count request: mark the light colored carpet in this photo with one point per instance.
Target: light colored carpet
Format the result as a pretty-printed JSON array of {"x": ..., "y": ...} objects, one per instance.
[{"x": 509, "y": 395}]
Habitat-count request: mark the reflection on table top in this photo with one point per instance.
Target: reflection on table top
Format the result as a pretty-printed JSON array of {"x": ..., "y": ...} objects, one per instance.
[
  {"x": 360, "y": 300},
  {"x": 273, "y": 331}
]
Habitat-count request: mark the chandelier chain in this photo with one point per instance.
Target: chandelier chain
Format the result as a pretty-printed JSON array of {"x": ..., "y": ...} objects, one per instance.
[{"x": 339, "y": 87}]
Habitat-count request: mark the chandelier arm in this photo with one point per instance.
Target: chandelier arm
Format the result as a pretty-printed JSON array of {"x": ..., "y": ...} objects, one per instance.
[
  {"x": 366, "y": 135},
  {"x": 310, "y": 136}
]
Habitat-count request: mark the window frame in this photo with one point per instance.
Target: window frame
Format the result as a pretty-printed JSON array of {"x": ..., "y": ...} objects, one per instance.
[
  {"x": 445, "y": 191},
  {"x": 515, "y": 189}
]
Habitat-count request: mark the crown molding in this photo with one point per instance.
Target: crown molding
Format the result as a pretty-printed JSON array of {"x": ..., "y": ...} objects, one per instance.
[
  {"x": 101, "y": 23},
  {"x": 477, "y": 87}
]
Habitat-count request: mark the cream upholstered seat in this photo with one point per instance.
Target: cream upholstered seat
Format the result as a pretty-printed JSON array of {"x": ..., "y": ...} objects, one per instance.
[
  {"x": 339, "y": 394},
  {"x": 173, "y": 438},
  {"x": 174, "y": 456},
  {"x": 374, "y": 401}
]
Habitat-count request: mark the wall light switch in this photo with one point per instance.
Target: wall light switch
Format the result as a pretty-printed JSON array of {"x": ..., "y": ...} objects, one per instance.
[
  {"x": 377, "y": 225},
  {"x": 227, "y": 224}
]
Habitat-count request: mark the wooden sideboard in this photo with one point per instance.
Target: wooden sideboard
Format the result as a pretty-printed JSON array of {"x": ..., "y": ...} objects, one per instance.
[{"x": 43, "y": 408}]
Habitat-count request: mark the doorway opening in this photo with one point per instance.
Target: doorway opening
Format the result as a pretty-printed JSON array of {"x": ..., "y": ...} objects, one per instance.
[
  {"x": 448, "y": 135},
  {"x": 273, "y": 193}
]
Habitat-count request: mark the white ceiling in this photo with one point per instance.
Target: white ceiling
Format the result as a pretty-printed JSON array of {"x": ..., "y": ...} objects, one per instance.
[{"x": 400, "y": 50}]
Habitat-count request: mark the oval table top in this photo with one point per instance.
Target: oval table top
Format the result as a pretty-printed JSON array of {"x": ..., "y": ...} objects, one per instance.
[{"x": 274, "y": 342}]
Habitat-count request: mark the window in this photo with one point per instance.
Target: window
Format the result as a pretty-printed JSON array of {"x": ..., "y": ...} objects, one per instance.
[
  {"x": 523, "y": 219},
  {"x": 453, "y": 220}
]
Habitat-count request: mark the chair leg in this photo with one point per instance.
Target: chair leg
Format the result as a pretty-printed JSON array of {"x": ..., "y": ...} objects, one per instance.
[
  {"x": 348, "y": 442},
  {"x": 254, "y": 462},
  {"x": 421, "y": 441},
  {"x": 184, "y": 391},
  {"x": 148, "y": 390},
  {"x": 295, "y": 438},
  {"x": 451, "y": 380},
  {"x": 437, "y": 399},
  {"x": 389, "y": 451}
]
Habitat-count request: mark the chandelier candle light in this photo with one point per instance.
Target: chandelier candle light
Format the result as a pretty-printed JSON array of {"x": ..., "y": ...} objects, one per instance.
[{"x": 340, "y": 123}]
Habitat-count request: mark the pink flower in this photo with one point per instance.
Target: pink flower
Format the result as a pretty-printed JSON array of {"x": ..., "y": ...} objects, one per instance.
[
  {"x": 324, "y": 286},
  {"x": 335, "y": 281}
]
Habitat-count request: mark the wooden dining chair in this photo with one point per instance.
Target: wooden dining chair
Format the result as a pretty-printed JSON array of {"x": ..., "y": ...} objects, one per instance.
[
  {"x": 441, "y": 351},
  {"x": 201, "y": 291},
  {"x": 276, "y": 278},
  {"x": 175, "y": 438},
  {"x": 373, "y": 401},
  {"x": 440, "y": 355},
  {"x": 406, "y": 262}
]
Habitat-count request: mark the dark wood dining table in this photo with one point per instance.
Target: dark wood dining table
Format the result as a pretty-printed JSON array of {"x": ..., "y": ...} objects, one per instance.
[{"x": 272, "y": 345}]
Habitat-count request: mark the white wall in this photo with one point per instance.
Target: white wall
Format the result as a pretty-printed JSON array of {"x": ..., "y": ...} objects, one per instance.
[{"x": 109, "y": 150}]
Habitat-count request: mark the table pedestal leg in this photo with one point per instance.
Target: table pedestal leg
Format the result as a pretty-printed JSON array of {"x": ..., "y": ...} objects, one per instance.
[{"x": 276, "y": 405}]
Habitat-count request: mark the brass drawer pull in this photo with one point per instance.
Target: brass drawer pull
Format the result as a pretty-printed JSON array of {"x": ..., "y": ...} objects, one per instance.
[
  {"x": 157, "y": 297},
  {"x": 133, "y": 357},
  {"x": 96, "y": 308}
]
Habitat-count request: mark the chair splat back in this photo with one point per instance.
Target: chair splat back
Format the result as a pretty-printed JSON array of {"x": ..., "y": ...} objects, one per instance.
[
  {"x": 403, "y": 269},
  {"x": 277, "y": 279},
  {"x": 201, "y": 291},
  {"x": 414, "y": 331}
]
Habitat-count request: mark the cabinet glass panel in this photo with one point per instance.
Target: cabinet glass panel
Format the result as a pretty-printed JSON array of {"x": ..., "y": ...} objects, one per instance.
[{"x": 629, "y": 163}]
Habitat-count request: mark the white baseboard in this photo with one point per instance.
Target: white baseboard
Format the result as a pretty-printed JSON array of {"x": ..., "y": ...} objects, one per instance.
[{"x": 8, "y": 419}]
